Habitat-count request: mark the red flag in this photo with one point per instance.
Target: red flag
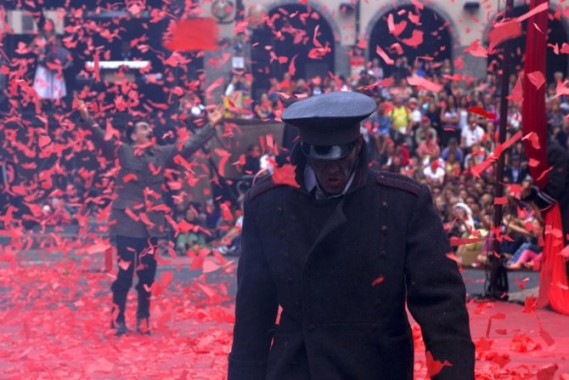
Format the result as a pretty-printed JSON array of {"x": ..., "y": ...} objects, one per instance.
[{"x": 533, "y": 109}]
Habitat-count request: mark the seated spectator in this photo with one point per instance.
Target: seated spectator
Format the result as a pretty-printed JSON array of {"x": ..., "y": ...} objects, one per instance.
[
  {"x": 515, "y": 172},
  {"x": 195, "y": 235},
  {"x": 428, "y": 148},
  {"x": 528, "y": 253},
  {"x": 231, "y": 241},
  {"x": 268, "y": 160},
  {"x": 476, "y": 156},
  {"x": 252, "y": 160},
  {"x": 421, "y": 132},
  {"x": 452, "y": 166},
  {"x": 264, "y": 109},
  {"x": 434, "y": 174},
  {"x": 453, "y": 148}
]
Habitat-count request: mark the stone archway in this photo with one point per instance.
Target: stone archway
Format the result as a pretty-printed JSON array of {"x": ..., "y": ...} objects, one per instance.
[
  {"x": 291, "y": 32},
  {"x": 438, "y": 41}
]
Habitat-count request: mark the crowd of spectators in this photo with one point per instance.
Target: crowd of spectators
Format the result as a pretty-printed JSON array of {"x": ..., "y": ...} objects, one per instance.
[
  {"x": 426, "y": 132},
  {"x": 435, "y": 139}
]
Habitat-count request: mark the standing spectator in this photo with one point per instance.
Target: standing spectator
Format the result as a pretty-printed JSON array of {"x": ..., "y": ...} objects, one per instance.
[
  {"x": 400, "y": 120},
  {"x": 52, "y": 59},
  {"x": 472, "y": 134},
  {"x": 450, "y": 120}
]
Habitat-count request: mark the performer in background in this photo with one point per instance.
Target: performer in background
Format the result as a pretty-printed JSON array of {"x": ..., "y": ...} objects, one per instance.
[
  {"x": 553, "y": 202},
  {"x": 344, "y": 253},
  {"x": 137, "y": 217}
]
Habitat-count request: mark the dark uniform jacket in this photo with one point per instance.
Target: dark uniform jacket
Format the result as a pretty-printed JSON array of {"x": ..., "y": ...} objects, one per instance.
[
  {"x": 557, "y": 187},
  {"x": 342, "y": 270},
  {"x": 138, "y": 209}
]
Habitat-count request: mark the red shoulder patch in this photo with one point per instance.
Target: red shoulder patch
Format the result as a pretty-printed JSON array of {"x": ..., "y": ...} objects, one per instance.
[{"x": 398, "y": 181}]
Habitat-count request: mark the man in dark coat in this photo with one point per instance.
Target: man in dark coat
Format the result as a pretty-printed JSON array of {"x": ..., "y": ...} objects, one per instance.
[
  {"x": 138, "y": 212},
  {"x": 343, "y": 253},
  {"x": 557, "y": 188}
]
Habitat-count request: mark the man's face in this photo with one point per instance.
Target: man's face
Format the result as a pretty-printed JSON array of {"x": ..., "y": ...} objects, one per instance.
[
  {"x": 142, "y": 133},
  {"x": 333, "y": 175}
]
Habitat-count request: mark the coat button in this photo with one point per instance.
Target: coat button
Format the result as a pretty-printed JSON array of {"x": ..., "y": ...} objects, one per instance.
[
  {"x": 279, "y": 210},
  {"x": 384, "y": 229},
  {"x": 289, "y": 280},
  {"x": 382, "y": 252},
  {"x": 311, "y": 327},
  {"x": 384, "y": 204}
]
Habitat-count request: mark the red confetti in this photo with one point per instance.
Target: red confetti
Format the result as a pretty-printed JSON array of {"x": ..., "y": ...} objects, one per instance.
[
  {"x": 285, "y": 175},
  {"x": 377, "y": 281},
  {"x": 193, "y": 34},
  {"x": 434, "y": 367},
  {"x": 482, "y": 112}
]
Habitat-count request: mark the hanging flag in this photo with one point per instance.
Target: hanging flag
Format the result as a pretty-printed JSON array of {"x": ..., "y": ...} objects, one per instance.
[{"x": 533, "y": 109}]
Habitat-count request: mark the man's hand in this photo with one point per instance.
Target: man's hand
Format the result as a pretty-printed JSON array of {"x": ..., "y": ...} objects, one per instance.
[
  {"x": 83, "y": 110},
  {"x": 215, "y": 116}
]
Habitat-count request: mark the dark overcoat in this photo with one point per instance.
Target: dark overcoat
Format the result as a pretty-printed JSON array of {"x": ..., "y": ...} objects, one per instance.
[
  {"x": 138, "y": 209},
  {"x": 557, "y": 187},
  {"x": 343, "y": 271}
]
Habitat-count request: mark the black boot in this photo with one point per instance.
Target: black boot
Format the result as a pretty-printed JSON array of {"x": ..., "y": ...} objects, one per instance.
[
  {"x": 143, "y": 326},
  {"x": 120, "y": 328}
]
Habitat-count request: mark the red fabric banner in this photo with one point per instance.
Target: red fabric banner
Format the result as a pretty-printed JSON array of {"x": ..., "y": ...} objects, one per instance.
[
  {"x": 553, "y": 289},
  {"x": 533, "y": 109}
]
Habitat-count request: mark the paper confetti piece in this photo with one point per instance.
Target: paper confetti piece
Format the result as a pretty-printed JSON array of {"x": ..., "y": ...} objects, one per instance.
[
  {"x": 537, "y": 79},
  {"x": 434, "y": 367},
  {"x": 285, "y": 175},
  {"x": 504, "y": 31},
  {"x": 384, "y": 55},
  {"x": 193, "y": 34},
  {"x": 377, "y": 281}
]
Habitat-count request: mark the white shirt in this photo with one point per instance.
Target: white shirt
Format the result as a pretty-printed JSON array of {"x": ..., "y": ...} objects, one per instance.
[
  {"x": 472, "y": 136},
  {"x": 437, "y": 175}
]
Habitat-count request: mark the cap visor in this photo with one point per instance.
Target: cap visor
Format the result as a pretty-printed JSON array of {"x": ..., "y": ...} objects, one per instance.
[{"x": 326, "y": 152}]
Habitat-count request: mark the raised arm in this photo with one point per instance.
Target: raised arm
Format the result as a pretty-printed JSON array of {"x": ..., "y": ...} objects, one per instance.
[
  {"x": 197, "y": 140},
  {"x": 108, "y": 147}
]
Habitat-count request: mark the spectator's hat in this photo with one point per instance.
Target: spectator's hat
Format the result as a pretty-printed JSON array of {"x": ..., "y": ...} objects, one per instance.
[
  {"x": 329, "y": 124},
  {"x": 463, "y": 206}
]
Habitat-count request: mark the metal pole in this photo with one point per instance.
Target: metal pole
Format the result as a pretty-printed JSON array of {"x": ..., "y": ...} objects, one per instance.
[{"x": 498, "y": 284}]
